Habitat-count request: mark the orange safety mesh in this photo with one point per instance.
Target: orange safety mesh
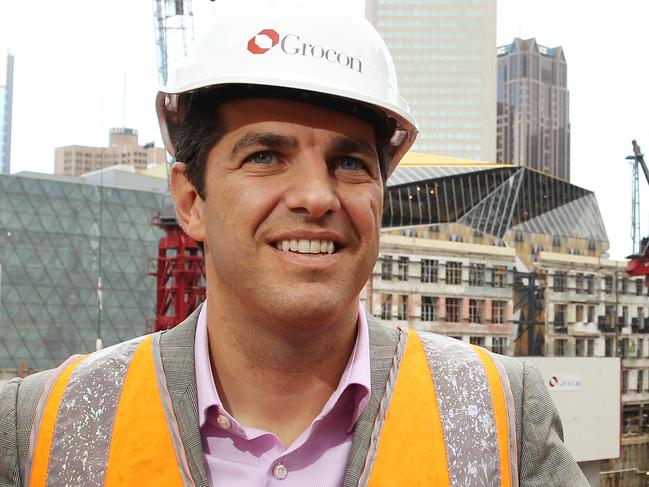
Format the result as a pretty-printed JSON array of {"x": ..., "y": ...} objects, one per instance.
[
  {"x": 500, "y": 413},
  {"x": 141, "y": 451},
  {"x": 411, "y": 449},
  {"x": 41, "y": 459}
]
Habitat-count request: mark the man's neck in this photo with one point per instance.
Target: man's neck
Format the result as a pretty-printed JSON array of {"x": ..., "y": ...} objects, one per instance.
[{"x": 271, "y": 380}]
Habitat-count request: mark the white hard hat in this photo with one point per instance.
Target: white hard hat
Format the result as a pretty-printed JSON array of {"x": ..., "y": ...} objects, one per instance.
[{"x": 318, "y": 47}]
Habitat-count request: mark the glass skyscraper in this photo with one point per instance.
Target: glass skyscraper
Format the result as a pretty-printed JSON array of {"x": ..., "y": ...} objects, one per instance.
[
  {"x": 73, "y": 266},
  {"x": 6, "y": 94},
  {"x": 445, "y": 55}
]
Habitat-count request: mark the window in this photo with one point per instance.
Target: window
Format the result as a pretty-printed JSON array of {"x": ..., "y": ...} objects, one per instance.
[
  {"x": 498, "y": 312},
  {"x": 579, "y": 313},
  {"x": 624, "y": 285},
  {"x": 609, "y": 314},
  {"x": 640, "y": 380},
  {"x": 638, "y": 287},
  {"x": 476, "y": 274},
  {"x": 454, "y": 273},
  {"x": 579, "y": 347},
  {"x": 591, "y": 313},
  {"x": 453, "y": 309},
  {"x": 402, "y": 268},
  {"x": 560, "y": 347},
  {"x": 499, "y": 276},
  {"x": 429, "y": 270},
  {"x": 476, "y": 310},
  {"x": 590, "y": 284},
  {"x": 608, "y": 284},
  {"x": 579, "y": 284},
  {"x": 559, "y": 315},
  {"x": 402, "y": 307},
  {"x": 559, "y": 282},
  {"x": 386, "y": 306},
  {"x": 479, "y": 341},
  {"x": 625, "y": 315},
  {"x": 623, "y": 347},
  {"x": 625, "y": 381},
  {"x": 429, "y": 308},
  {"x": 590, "y": 347},
  {"x": 386, "y": 268},
  {"x": 641, "y": 320},
  {"x": 609, "y": 347},
  {"x": 499, "y": 345},
  {"x": 640, "y": 348}
]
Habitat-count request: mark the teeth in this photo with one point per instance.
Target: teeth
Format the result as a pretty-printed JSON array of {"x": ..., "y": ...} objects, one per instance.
[{"x": 304, "y": 246}]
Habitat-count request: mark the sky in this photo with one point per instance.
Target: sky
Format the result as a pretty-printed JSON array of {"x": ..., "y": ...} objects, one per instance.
[{"x": 83, "y": 66}]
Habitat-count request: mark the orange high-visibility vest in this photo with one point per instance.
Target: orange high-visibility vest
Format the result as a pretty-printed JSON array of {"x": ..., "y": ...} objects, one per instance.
[{"x": 446, "y": 419}]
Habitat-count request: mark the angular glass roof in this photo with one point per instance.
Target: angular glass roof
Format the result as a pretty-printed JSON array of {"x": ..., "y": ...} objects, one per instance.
[{"x": 492, "y": 199}]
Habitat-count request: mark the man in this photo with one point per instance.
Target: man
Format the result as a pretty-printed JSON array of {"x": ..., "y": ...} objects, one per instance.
[{"x": 288, "y": 124}]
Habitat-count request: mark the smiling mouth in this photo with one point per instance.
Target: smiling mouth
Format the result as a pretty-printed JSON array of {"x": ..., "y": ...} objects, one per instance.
[{"x": 303, "y": 246}]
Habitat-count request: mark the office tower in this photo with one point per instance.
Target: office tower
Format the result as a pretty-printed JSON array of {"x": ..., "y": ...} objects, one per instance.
[
  {"x": 6, "y": 94},
  {"x": 123, "y": 148},
  {"x": 445, "y": 55},
  {"x": 533, "y": 113}
]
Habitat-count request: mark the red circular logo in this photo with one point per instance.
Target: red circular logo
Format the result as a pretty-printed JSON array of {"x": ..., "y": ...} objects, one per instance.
[{"x": 264, "y": 41}]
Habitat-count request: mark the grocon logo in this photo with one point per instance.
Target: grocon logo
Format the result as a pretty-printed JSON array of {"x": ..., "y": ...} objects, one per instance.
[{"x": 293, "y": 45}]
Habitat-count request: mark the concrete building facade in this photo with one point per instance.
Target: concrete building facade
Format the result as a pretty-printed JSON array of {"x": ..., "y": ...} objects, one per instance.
[
  {"x": 445, "y": 55},
  {"x": 123, "y": 148},
  {"x": 6, "y": 102},
  {"x": 533, "y": 107}
]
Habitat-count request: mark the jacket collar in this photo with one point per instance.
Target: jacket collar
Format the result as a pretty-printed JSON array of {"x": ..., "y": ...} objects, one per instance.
[{"x": 177, "y": 352}]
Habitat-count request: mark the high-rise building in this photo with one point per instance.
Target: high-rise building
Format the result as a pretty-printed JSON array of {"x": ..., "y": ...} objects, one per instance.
[
  {"x": 445, "y": 55},
  {"x": 533, "y": 114},
  {"x": 123, "y": 148},
  {"x": 6, "y": 95}
]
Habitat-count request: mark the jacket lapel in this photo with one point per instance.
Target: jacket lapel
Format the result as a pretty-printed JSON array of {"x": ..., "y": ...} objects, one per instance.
[
  {"x": 177, "y": 353},
  {"x": 383, "y": 347}
]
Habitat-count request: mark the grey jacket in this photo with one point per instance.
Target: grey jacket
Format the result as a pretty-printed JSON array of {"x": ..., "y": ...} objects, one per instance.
[{"x": 544, "y": 460}]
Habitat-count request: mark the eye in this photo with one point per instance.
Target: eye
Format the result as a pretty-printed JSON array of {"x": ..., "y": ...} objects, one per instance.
[
  {"x": 350, "y": 164},
  {"x": 262, "y": 158}
]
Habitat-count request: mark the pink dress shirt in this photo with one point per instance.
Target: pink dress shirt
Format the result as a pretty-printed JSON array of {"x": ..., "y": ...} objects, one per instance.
[{"x": 236, "y": 455}]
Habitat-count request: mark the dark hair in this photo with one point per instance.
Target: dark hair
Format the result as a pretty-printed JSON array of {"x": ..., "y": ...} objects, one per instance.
[{"x": 202, "y": 127}]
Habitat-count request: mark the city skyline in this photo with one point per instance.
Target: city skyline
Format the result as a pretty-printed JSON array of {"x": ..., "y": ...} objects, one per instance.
[{"x": 70, "y": 89}]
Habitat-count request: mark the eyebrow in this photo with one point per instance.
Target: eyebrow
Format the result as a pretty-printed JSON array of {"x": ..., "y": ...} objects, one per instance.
[
  {"x": 265, "y": 139},
  {"x": 348, "y": 145}
]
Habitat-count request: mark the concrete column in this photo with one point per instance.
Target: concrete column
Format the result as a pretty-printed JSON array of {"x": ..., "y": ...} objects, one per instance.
[
  {"x": 509, "y": 311},
  {"x": 487, "y": 311},
  {"x": 464, "y": 310},
  {"x": 441, "y": 309}
]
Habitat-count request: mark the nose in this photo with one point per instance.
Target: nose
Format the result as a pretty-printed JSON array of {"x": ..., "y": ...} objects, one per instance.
[{"x": 312, "y": 189}]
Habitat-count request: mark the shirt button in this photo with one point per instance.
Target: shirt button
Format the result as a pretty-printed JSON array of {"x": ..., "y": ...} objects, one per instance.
[
  {"x": 223, "y": 421},
  {"x": 280, "y": 472}
]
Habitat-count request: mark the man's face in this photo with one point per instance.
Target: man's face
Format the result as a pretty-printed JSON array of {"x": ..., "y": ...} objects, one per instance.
[{"x": 292, "y": 211}]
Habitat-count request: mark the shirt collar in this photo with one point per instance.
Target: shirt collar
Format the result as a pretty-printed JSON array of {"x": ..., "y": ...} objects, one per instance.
[{"x": 356, "y": 374}]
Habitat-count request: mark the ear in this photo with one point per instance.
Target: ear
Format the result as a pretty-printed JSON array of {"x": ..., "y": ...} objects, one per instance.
[{"x": 189, "y": 205}]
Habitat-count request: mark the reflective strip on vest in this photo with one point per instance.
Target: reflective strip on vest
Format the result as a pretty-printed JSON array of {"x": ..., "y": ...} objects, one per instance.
[
  {"x": 445, "y": 420},
  {"x": 106, "y": 422}
]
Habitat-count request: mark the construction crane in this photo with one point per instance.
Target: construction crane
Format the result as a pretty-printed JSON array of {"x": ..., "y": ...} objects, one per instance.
[
  {"x": 179, "y": 268},
  {"x": 638, "y": 264}
]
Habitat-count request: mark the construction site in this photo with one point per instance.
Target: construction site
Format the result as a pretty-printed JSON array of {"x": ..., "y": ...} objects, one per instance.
[{"x": 501, "y": 256}]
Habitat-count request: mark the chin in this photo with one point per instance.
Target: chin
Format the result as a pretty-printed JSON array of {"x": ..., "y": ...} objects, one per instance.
[{"x": 312, "y": 311}]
